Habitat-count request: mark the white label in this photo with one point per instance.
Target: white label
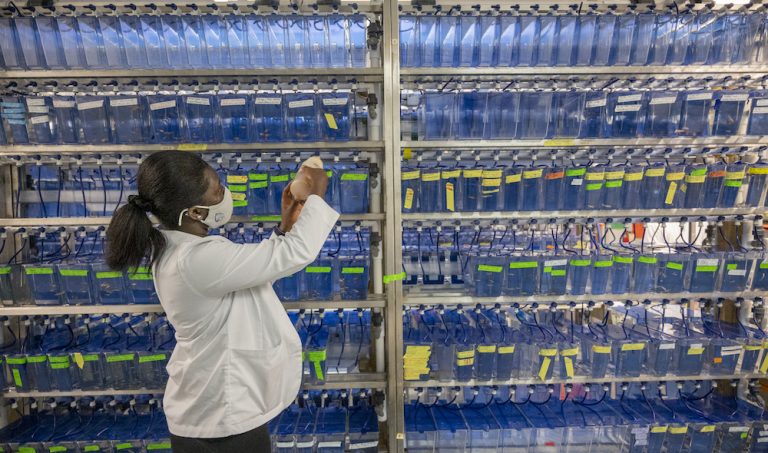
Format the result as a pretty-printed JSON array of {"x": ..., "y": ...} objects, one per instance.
[
  {"x": 762, "y": 440},
  {"x": 577, "y": 182},
  {"x": 737, "y": 272},
  {"x": 596, "y": 103},
  {"x": 363, "y": 445},
  {"x": 731, "y": 348},
  {"x": 90, "y": 105},
  {"x": 35, "y": 101},
  {"x": 309, "y": 444},
  {"x": 555, "y": 263},
  {"x": 284, "y": 444},
  {"x": 39, "y": 119},
  {"x": 641, "y": 442},
  {"x": 335, "y": 101},
  {"x": 123, "y": 102},
  {"x": 725, "y": 353},
  {"x": 628, "y": 108},
  {"x": 268, "y": 101},
  {"x": 199, "y": 101},
  {"x": 336, "y": 444},
  {"x": 62, "y": 104},
  {"x": 664, "y": 100},
  {"x": 762, "y": 102},
  {"x": 707, "y": 262},
  {"x": 763, "y": 433},
  {"x": 760, "y": 110},
  {"x": 38, "y": 109},
  {"x": 699, "y": 96},
  {"x": 162, "y": 105},
  {"x": 734, "y": 97},
  {"x": 696, "y": 346},
  {"x": 232, "y": 101},
  {"x": 630, "y": 98},
  {"x": 665, "y": 346},
  {"x": 300, "y": 104},
  {"x": 738, "y": 429},
  {"x": 637, "y": 431}
]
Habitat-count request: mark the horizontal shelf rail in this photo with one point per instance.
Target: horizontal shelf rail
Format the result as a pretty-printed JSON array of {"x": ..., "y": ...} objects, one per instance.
[
  {"x": 635, "y": 72},
  {"x": 286, "y": 147},
  {"x": 726, "y": 141},
  {"x": 372, "y": 74},
  {"x": 579, "y": 379}
]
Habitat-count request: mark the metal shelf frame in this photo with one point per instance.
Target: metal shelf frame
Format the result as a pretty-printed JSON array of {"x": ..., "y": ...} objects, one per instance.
[
  {"x": 591, "y": 72},
  {"x": 559, "y": 143}
]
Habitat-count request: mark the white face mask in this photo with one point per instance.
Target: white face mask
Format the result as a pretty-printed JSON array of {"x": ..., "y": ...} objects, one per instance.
[{"x": 218, "y": 214}]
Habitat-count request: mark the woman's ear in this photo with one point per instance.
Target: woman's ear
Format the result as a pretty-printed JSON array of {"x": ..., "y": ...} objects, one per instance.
[{"x": 197, "y": 213}]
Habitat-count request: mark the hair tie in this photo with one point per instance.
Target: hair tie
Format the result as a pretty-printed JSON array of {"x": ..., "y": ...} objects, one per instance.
[{"x": 140, "y": 203}]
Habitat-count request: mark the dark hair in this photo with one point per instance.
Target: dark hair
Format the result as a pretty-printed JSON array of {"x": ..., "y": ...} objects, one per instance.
[{"x": 169, "y": 182}]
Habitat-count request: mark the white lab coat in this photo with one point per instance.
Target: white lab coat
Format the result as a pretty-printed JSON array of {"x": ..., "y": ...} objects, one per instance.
[{"x": 237, "y": 362}]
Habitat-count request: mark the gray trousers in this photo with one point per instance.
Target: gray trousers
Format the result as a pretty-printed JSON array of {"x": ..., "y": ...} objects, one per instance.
[{"x": 254, "y": 441}]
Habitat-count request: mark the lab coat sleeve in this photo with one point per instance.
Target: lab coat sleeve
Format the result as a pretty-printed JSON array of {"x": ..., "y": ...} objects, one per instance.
[{"x": 218, "y": 267}]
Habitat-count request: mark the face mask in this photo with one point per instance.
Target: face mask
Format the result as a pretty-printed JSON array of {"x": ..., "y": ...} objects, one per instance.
[{"x": 218, "y": 214}]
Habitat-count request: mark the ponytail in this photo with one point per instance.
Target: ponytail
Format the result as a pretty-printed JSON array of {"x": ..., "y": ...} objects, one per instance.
[{"x": 168, "y": 182}]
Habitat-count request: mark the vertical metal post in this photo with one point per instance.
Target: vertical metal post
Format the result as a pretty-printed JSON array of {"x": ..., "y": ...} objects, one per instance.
[{"x": 393, "y": 230}]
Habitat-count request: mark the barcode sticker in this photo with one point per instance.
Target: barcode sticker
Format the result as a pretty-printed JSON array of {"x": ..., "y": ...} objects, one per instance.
[
  {"x": 232, "y": 101},
  {"x": 162, "y": 105},
  {"x": 123, "y": 102},
  {"x": 90, "y": 105},
  {"x": 630, "y": 98},
  {"x": 268, "y": 101},
  {"x": 577, "y": 182},
  {"x": 596, "y": 103},
  {"x": 628, "y": 108},
  {"x": 737, "y": 272},
  {"x": 665, "y": 346},
  {"x": 38, "y": 109},
  {"x": 63, "y": 104},
  {"x": 700, "y": 96},
  {"x": 664, "y": 100},
  {"x": 39, "y": 119},
  {"x": 734, "y": 97},
  {"x": 198, "y": 101},
  {"x": 555, "y": 263},
  {"x": 335, "y": 101},
  {"x": 300, "y": 104},
  {"x": 738, "y": 429}
]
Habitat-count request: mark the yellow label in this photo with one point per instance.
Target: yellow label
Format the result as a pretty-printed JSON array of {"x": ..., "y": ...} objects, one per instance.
[
  {"x": 411, "y": 175},
  {"x": 560, "y": 142},
  {"x": 678, "y": 430},
  {"x": 465, "y": 354},
  {"x": 568, "y": 367},
  {"x": 238, "y": 196},
  {"x": 417, "y": 351},
  {"x": 449, "y": 198},
  {"x": 492, "y": 174},
  {"x": 472, "y": 173},
  {"x": 430, "y": 176},
  {"x": 78, "y": 357},
  {"x": 752, "y": 348},
  {"x": 569, "y": 352},
  {"x": 658, "y": 429},
  {"x": 655, "y": 172},
  {"x": 633, "y": 347},
  {"x": 237, "y": 179},
  {"x": 548, "y": 352},
  {"x": 764, "y": 365},
  {"x": 594, "y": 176},
  {"x": 758, "y": 171},
  {"x": 614, "y": 175},
  {"x": 331, "y": 121},
  {"x": 408, "y": 203},
  {"x": 407, "y": 153},
  {"x": 601, "y": 349},
  {"x": 487, "y": 349},
  {"x": 491, "y": 182},
  {"x": 637, "y": 176},
  {"x": 708, "y": 429},
  {"x": 465, "y": 362},
  {"x": 544, "y": 368},
  {"x": 506, "y": 349},
  {"x": 675, "y": 176},
  {"x": 671, "y": 193},
  {"x": 695, "y": 351},
  {"x": 448, "y": 174},
  {"x": 734, "y": 175},
  {"x": 532, "y": 174},
  {"x": 192, "y": 147},
  {"x": 511, "y": 179},
  {"x": 695, "y": 179}
]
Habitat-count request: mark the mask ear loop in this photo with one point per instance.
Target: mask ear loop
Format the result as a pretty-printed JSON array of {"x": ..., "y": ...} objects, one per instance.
[{"x": 181, "y": 214}]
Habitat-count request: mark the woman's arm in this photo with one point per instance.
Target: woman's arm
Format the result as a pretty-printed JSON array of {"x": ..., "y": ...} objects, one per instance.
[{"x": 218, "y": 267}]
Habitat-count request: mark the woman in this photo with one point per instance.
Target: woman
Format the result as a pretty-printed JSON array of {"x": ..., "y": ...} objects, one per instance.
[{"x": 237, "y": 362}]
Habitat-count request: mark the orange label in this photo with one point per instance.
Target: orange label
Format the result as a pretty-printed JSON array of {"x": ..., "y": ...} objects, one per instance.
[
  {"x": 717, "y": 174},
  {"x": 558, "y": 175}
]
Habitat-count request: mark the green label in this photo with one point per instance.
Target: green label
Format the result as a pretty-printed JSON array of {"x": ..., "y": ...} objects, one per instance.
[
  {"x": 258, "y": 176},
  {"x": 152, "y": 358},
  {"x": 279, "y": 178},
  {"x": 38, "y": 271},
  {"x": 141, "y": 276},
  {"x": 487, "y": 268},
  {"x": 100, "y": 275},
  {"x": 613, "y": 184},
  {"x": 57, "y": 448},
  {"x": 318, "y": 269},
  {"x": 259, "y": 185},
  {"x": 27, "y": 450},
  {"x": 5, "y": 270},
  {"x": 36, "y": 358},
  {"x": 732, "y": 267},
  {"x": 354, "y": 177},
  {"x": 90, "y": 357},
  {"x": 16, "y": 377},
  {"x": 675, "y": 266},
  {"x": 91, "y": 448},
  {"x": 16, "y": 360},
  {"x": 387, "y": 279},
  {"x": 623, "y": 259},
  {"x": 647, "y": 259},
  {"x": 59, "y": 363},
  {"x": 733, "y": 183},
  {"x": 352, "y": 270},
  {"x": 706, "y": 268},
  {"x": 581, "y": 263},
  {"x": 316, "y": 357},
  {"x": 603, "y": 263},
  {"x": 558, "y": 273},
  {"x": 595, "y": 186},
  {"x": 120, "y": 358},
  {"x": 699, "y": 172},
  {"x": 266, "y": 218},
  {"x": 124, "y": 446},
  {"x": 575, "y": 171},
  {"x": 764, "y": 265},
  {"x": 524, "y": 265},
  {"x": 73, "y": 272},
  {"x": 238, "y": 187},
  {"x": 160, "y": 446},
  {"x": 235, "y": 204}
]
